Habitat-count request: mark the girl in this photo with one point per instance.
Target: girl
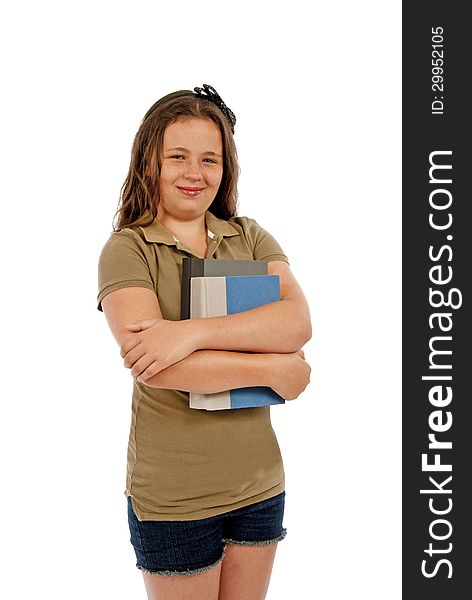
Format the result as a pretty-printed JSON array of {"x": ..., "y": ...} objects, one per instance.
[{"x": 205, "y": 489}]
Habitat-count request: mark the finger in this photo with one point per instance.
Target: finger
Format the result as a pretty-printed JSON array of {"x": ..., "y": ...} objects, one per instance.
[
  {"x": 128, "y": 345},
  {"x": 140, "y": 366},
  {"x": 134, "y": 327},
  {"x": 132, "y": 357},
  {"x": 141, "y": 325},
  {"x": 152, "y": 370}
]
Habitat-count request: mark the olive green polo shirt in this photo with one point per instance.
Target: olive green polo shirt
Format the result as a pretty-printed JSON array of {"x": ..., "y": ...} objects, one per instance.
[{"x": 183, "y": 463}]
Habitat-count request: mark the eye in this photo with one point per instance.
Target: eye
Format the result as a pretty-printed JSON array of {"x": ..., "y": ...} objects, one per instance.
[
  {"x": 211, "y": 160},
  {"x": 177, "y": 156}
]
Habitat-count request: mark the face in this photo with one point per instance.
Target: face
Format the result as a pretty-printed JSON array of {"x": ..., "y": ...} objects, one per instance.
[{"x": 192, "y": 168}]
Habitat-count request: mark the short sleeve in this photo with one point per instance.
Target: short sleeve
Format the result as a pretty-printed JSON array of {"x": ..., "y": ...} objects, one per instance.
[
  {"x": 265, "y": 246},
  {"x": 124, "y": 262}
]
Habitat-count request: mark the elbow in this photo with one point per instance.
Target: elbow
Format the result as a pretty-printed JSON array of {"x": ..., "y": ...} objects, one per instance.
[
  {"x": 301, "y": 336},
  {"x": 305, "y": 333},
  {"x": 300, "y": 328}
]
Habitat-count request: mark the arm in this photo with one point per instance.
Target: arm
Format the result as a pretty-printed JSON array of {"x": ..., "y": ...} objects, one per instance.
[
  {"x": 278, "y": 327},
  {"x": 211, "y": 371},
  {"x": 207, "y": 371},
  {"x": 283, "y": 326}
]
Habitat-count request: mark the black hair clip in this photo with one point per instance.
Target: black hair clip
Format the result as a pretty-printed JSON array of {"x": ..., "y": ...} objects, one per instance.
[{"x": 209, "y": 93}]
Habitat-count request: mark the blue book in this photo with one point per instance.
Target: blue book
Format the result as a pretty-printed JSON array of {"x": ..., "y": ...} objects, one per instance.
[
  {"x": 219, "y": 296},
  {"x": 214, "y": 267}
]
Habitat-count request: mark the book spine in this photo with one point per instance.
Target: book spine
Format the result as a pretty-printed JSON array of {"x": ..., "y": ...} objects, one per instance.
[
  {"x": 208, "y": 297},
  {"x": 191, "y": 267}
]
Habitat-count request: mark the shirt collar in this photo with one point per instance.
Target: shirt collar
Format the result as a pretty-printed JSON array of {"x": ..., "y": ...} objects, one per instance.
[{"x": 156, "y": 232}]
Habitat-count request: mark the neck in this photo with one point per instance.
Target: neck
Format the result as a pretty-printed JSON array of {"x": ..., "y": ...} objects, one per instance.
[{"x": 184, "y": 228}]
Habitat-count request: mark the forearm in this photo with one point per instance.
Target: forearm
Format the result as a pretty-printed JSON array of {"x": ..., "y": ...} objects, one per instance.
[
  {"x": 276, "y": 327},
  {"x": 212, "y": 371}
]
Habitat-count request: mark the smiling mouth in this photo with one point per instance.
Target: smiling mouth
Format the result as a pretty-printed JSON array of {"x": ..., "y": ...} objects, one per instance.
[{"x": 189, "y": 191}]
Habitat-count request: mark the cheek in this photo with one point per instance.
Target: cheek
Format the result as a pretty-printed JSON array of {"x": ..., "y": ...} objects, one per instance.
[
  {"x": 168, "y": 175},
  {"x": 216, "y": 178}
]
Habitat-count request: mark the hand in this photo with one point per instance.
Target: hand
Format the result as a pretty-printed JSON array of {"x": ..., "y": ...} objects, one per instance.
[
  {"x": 290, "y": 374},
  {"x": 154, "y": 345}
]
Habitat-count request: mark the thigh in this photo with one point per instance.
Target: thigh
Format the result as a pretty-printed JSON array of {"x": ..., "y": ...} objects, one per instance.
[
  {"x": 176, "y": 547},
  {"x": 246, "y": 572},
  {"x": 204, "y": 586},
  {"x": 258, "y": 524}
]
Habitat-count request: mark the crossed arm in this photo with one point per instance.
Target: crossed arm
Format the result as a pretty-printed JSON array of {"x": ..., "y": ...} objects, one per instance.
[{"x": 218, "y": 353}]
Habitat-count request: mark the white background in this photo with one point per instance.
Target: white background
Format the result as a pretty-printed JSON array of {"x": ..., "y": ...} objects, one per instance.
[{"x": 316, "y": 90}]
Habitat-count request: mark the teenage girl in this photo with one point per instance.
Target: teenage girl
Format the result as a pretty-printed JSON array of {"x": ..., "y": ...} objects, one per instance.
[{"x": 205, "y": 489}]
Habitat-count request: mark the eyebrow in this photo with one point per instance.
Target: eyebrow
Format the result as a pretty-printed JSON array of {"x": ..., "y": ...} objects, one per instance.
[{"x": 181, "y": 149}]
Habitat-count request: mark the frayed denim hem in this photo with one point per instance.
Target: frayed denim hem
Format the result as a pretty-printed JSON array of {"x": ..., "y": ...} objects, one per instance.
[
  {"x": 258, "y": 543},
  {"x": 183, "y": 573}
]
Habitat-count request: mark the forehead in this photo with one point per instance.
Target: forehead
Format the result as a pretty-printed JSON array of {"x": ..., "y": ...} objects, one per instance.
[{"x": 194, "y": 134}]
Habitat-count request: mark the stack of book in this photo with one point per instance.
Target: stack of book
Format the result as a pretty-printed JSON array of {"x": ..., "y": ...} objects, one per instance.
[{"x": 213, "y": 288}]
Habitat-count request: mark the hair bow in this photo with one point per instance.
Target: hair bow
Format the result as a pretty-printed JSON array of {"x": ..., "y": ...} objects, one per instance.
[{"x": 209, "y": 93}]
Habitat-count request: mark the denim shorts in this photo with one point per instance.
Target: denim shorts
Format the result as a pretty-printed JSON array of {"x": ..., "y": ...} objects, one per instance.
[{"x": 190, "y": 547}]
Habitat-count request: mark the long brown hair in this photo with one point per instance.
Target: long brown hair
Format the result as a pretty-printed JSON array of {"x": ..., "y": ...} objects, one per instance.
[{"x": 139, "y": 195}]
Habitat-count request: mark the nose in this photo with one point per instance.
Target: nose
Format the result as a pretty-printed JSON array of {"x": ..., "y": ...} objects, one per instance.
[{"x": 192, "y": 170}]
